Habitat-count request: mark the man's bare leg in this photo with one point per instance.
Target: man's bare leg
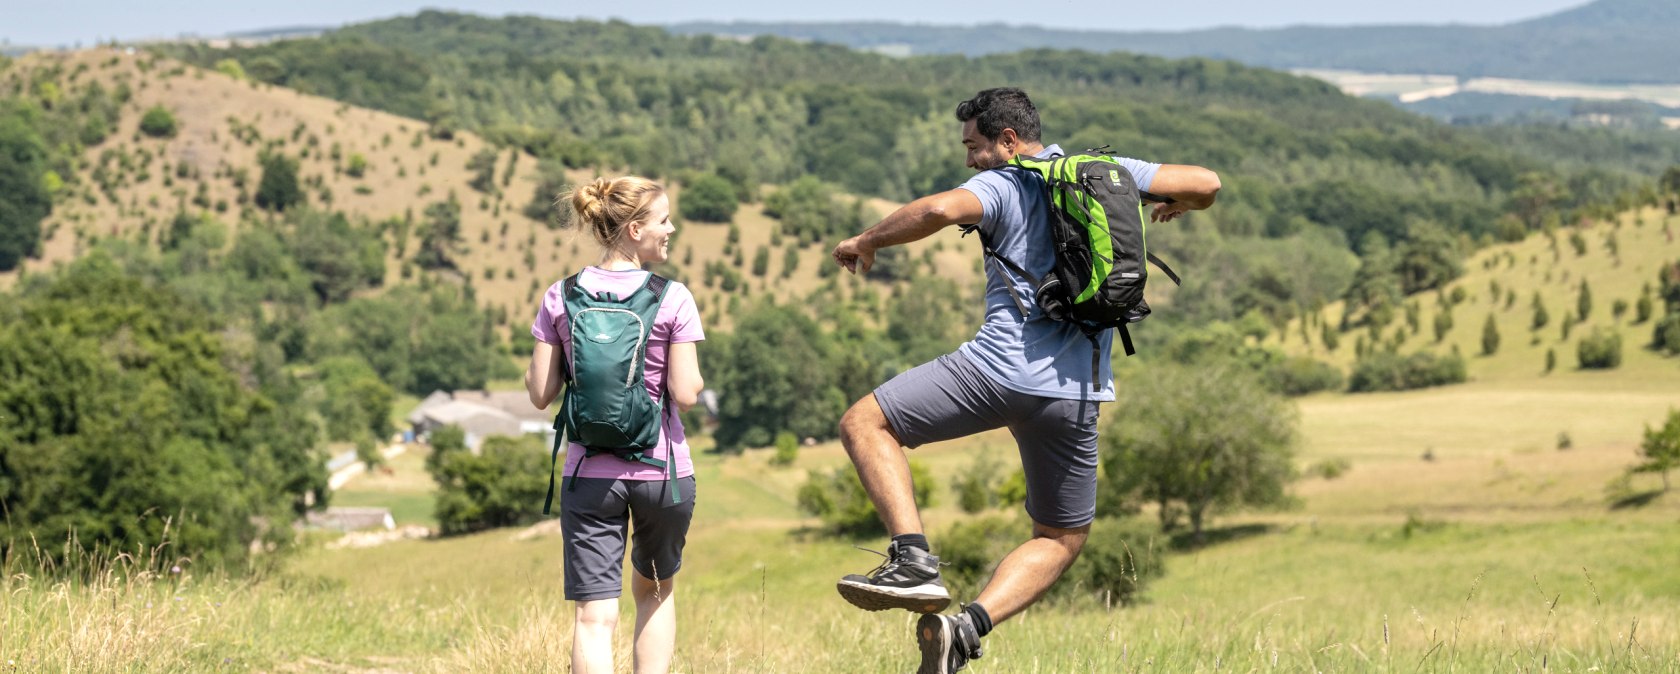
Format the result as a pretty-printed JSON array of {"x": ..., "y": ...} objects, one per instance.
[
  {"x": 910, "y": 577},
  {"x": 881, "y": 465},
  {"x": 1029, "y": 570}
]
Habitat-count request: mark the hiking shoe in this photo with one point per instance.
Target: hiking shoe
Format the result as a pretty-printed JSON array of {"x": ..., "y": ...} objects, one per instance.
[
  {"x": 908, "y": 579},
  {"x": 947, "y": 643}
]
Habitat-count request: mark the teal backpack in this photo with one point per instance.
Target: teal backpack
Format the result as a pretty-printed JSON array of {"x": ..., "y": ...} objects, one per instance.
[
  {"x": 606, "y": 407},
  {"x": 1097, "y": 233}
]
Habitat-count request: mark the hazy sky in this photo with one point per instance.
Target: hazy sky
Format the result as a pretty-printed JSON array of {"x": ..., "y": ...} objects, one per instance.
[{"x": 68, "y": 22}]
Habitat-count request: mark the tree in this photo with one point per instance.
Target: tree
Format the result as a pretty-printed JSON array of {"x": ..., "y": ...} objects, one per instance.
[
  {"x": 24, "y": 200},
  {"x": 1375, "y": 292},
  {"x": 483, "y": 168},
  {"x": 158, "y": 122},
  {"x": 155, "y": 443},
  {"x": 1670, "y": 180},
  {"x": 787, "y": 449},
  {"x": 1541, "y": 317},
  {"x": 339, "y": 257},
  {"x": 761, "y": 261},
  {"x": 355, "y": 403},
  {"x": 790, "y": 260},
  {"x": 1661, "y": 448},
  {"x": 709, "y": 198},
  {"x": 1427, "y": 258},
  {"x": 1490, "y": 336},
  {"x": 278, "y": 190},
  {"x": 231, "y": 68},
  {"x": 1601, "y": 350},
  {"x": 498, "y": 487},
  {"x": 357, "y": 165},
  {"x": 439, "y": 235},
  {"x": 1202, "y": 437},
  {"x": 1583, "y": 301}
]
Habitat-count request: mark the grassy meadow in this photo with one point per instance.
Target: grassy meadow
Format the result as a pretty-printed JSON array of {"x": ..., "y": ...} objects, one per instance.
[{"x": 1502, "y": 554}]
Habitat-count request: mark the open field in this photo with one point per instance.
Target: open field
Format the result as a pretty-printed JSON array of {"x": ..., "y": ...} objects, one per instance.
[
  {"x": 1341, "y": 584},
  {"x": 1413, "y": 88}
]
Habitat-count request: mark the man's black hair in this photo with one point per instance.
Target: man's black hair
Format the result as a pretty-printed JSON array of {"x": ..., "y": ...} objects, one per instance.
[{"x": 994, "y": 110}]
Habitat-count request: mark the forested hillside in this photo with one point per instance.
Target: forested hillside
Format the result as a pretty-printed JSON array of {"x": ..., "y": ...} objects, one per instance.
[
  {"x": 1301, "y": 162},
  {"x": 1608, "y": 41}
]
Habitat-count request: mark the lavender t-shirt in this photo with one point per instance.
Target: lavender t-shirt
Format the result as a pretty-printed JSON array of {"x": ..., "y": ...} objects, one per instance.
[{"x": 678, "y": 321}]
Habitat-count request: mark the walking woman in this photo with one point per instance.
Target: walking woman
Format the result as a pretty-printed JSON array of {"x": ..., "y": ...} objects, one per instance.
[{"x": 641, "y": 482}]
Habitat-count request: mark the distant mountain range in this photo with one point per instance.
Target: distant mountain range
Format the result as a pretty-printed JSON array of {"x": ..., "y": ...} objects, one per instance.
[{"x": 1604, "y": 42}]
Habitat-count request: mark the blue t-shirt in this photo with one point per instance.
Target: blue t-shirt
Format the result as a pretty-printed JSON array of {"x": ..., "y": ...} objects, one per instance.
[{"x": 1034, "y": 355}]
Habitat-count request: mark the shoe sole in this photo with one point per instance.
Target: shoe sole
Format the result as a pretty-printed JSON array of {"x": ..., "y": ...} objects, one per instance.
[
  {"x": 935, "y": 643},
  {"x": 875, "y": 598}
]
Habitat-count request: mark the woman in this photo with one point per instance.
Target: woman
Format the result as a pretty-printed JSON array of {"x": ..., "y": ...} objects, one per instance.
[{"x": 631, "y": 219}]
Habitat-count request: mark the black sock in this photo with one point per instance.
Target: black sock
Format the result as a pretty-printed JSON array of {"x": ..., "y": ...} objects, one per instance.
[
  {"x": 912, "y": 541},
  {"x": 979, "y": 617}
]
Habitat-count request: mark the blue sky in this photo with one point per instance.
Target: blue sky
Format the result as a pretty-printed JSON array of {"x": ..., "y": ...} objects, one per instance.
[{"x": 69, "y": 22}]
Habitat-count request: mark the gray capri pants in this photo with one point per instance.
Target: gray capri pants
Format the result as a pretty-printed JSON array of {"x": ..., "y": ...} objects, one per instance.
[
  {"x": 593, "y": 520},
  {"x": 950, "y": 398}
]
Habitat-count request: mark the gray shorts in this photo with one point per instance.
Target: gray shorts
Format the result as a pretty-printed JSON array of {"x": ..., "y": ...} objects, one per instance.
[
  {"x": 594, "y": 518},
  {"x": 950, "y": 398}
]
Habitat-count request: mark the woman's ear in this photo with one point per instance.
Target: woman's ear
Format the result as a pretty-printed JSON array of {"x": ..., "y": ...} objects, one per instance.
[{"x": 634, "y": 231}]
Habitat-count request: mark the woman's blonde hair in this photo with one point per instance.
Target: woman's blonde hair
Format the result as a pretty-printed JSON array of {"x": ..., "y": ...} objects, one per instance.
[{"x": 607, "y": 206}]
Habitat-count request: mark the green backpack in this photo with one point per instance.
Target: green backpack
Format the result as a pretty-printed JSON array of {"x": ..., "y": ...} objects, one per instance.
[
  {"x": 1097, "y": 233},
  {"x": 606, "y": 407}
]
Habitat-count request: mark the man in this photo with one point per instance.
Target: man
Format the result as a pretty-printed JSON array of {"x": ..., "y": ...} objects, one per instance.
[{"x": 1028, "y": 373}]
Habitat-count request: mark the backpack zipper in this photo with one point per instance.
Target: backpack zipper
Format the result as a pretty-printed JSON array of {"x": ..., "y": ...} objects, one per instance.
[{"x": 629, "y": 375}]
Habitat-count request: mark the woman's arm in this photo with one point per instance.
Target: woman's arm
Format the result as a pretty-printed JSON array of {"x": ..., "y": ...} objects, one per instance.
[
  {"x": 542, "y": 378},
  {"x": 682, "y": 374}
]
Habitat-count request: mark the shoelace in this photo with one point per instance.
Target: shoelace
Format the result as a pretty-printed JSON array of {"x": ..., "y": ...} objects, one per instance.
[{"x": 888, "y": 564}]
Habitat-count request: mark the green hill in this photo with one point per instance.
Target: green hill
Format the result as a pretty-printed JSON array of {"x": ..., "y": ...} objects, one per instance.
[{"x": 1607, "y": 41}]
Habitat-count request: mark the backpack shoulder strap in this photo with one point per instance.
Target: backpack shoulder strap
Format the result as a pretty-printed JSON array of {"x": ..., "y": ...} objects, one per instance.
[{"x": 657, "y": 284}]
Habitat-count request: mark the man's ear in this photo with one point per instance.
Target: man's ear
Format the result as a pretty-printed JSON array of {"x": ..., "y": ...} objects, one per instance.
[{"x": 1008, "y": 139}]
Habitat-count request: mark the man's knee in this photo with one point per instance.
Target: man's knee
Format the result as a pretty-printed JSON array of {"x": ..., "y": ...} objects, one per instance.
[{"x": 864, "y": 418}]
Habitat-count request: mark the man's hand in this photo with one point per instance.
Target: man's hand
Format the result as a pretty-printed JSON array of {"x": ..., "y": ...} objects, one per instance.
[
  {"x": 1165, "y": 212},
  {"x": 855, "y": 255}
]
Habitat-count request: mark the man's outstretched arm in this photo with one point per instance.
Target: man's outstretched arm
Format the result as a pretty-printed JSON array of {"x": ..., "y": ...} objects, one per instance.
[
  {"x": 1192, "y": 188},
  {"x": 916, "y": 220}
]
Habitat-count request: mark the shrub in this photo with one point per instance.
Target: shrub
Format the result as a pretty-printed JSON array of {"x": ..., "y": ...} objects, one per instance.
[
  {"x": 357, "y": 167},
  {"x": 498, "y": 487},
  {"x": 787, "y": 449},
  {"x": 838, "y": 498},
  {"x": 1601, "y": 350},
  {"x": 709, "y": 199},
  {"x": 1666, "y": 336},
  {"x": 974, "y": 484},
  {"x": 1331, "y": 468},
  {"x": 1302, "y": 375},
  {"x": 1393, "y": 372},
  {"x": 1013, "y": 491},
  {"x": 158, "y": 123}
]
